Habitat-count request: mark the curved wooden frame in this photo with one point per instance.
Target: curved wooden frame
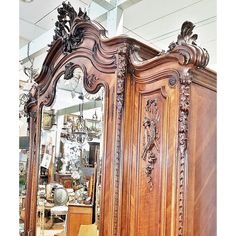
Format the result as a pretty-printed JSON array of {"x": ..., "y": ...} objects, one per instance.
[{"x": 112, "y": 63}]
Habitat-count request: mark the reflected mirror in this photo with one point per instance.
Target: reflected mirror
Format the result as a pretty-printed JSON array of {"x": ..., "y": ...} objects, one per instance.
[{"x": 69, "y": 179}]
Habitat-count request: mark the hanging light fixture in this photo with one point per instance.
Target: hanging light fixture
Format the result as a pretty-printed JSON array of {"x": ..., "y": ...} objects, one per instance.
[
  {"x": 76, "y": 130},
  {"x": 81, "y": 131}
]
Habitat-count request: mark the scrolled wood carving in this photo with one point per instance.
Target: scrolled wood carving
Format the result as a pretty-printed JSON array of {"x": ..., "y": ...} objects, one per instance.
[
  {"x": 151, "y": 137},
  {"x": 64, "y": 27},
  {"x": 91, "y": 79},
  {"x": 186, "y": 47},
  {"x": 31, "y": 99},
  {"x": 184, "y": 107},
  {"x": 69, "y": 70},
  {"x": 122, "y": 62},
  {"x": 69, "y": 73}
]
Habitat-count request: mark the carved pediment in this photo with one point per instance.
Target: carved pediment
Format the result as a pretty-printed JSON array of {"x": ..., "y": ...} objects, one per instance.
[{"x": 64, "y": 27}]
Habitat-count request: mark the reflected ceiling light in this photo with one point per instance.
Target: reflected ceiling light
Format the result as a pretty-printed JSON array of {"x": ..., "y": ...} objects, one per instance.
[{"x": 76, "y": 132}]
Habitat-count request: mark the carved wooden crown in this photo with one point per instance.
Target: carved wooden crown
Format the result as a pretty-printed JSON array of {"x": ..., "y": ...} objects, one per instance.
[{"x": 64, "y": 27}]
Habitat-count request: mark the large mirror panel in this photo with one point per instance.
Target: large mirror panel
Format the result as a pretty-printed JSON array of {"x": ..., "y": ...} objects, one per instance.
[{"x": 69, "y": 181}]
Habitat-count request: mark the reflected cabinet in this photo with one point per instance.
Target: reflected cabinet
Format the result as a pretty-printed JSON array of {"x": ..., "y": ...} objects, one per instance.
[{"x": 122, "y": 136}]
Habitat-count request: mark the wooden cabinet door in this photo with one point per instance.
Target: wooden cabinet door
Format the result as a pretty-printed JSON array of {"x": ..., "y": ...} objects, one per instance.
[{"x": 150, "y": 157}]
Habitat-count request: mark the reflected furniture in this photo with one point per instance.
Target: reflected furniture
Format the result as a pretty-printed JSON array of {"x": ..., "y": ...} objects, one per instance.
[
  {"x": 64, "y": 179},
  {"x": 78, "y": 215},
  {"x": 158, "y": 170}
]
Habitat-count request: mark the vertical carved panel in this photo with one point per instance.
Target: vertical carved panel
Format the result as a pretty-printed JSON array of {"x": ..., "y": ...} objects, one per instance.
[
  {"x": 151, "y": 138},
  {"x": 184, "y": 106},
  {"x": 121, "y": 76}
]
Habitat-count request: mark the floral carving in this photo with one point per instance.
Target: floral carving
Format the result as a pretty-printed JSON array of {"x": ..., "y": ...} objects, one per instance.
[
  {"x": 184, "y": 106},
  {"x": 121, "y": 73},
  {"x": 152, "y": 138},
  {"x": 186, "y": 35},
  {"x": 121, "y": 76},
  {"x": 66, "y": 17}
]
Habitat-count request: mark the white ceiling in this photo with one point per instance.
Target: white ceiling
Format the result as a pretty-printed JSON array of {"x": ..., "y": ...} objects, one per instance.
[{"x": 154, "y": 22}]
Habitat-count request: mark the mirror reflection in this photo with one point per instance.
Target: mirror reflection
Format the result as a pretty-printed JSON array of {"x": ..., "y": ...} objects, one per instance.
[{"x": 70, "y": 161}]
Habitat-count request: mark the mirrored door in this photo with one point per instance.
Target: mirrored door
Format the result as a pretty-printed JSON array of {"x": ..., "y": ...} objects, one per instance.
[{"x": 69, "y": 181}]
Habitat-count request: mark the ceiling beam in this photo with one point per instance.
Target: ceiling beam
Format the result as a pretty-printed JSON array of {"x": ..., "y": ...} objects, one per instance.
[
  {"x": 115, "y": 22},
  {"x": 123, "y": 4}
]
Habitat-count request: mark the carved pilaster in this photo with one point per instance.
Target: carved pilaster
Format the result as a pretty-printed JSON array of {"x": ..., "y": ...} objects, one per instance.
[
  {"x": 121, "y": 76},
  {"x": 184, "y": 107},
  {"x": 152, "y": 138}
]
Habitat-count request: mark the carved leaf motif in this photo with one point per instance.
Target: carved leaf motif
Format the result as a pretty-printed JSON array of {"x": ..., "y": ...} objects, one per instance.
[
  {"x": 186, "y": 47},
  {"x": 186, "y": 35},
  {"x": 66, "y": 17},
  {"x": 184, "y": 107},
  {"x": 151, "y": 137},
  {"x": 121, "y": 75}
]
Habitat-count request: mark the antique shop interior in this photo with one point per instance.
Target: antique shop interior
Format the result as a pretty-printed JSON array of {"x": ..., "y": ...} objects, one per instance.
[{"x": 68, "y": 139}]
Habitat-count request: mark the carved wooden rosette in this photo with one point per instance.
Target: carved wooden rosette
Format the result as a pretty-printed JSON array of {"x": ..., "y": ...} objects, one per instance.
[
  {"x": 184, "y": 107},
  {"x": 151, "y": 138},
  {"x": 121, "y": 76}
]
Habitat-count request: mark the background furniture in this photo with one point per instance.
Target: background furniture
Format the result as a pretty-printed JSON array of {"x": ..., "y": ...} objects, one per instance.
[
  {"x": 78, "y": 215},
  {"x": 64, "y": 179},
  {"x": 158, "y": 171}
]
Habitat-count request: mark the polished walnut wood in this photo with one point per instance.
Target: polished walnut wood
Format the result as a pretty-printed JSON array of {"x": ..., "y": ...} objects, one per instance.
[{"x": 159, "y": 154}]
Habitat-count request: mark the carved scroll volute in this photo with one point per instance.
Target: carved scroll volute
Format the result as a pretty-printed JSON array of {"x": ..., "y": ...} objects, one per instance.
[
  {"x": 122, "y": 61},
  {"x": 151, "y": 125},
  {"x": 187, "y": 48},
  {"x": 90, "y": 81},
  {"x": 184, "y": 108}
]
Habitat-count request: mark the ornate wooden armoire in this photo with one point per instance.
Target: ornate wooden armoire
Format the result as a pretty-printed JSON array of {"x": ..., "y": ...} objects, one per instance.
[{"x": 159, "y": 155}]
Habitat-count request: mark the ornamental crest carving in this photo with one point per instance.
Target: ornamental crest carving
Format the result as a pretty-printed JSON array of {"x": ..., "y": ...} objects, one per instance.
[{"x": 71, "y": 38}]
